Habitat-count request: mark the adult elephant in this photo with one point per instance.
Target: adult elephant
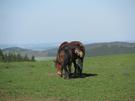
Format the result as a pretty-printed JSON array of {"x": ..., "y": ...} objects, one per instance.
[{"x": 76, "y": 53}]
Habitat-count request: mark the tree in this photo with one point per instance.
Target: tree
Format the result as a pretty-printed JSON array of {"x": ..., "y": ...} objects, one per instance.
[
  {"x": 14, "y": 57},
  {"x": 5, "y": 58},
  {"x": 9, "y": 58},
  {"x": 26, "y": 58},
  {"x": 1, "y": 55},
  {"x": 18, "y": 57},
  {"x": 33, "y": 58}
]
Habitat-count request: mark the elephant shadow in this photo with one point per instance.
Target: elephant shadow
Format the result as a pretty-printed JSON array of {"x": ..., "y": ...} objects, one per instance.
[{"x": 84, "y": 75}]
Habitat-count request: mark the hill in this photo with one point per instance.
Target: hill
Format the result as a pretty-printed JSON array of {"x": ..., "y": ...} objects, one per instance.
[
  {"x": 106, "y": 48},
  {"x": 34, "y": 46},
  {"x": 110, "y": 48},
  {"x": 95, "y": 49},
  {"x": 23, "y": 51}
]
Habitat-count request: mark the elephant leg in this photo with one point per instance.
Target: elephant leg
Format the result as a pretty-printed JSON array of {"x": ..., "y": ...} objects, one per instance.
[
  {"x": 69, "y": 68},
  {"x": 79, "y": 63},
  {"x": 75, "y": 70},
  {"x": 66, "y": 73}
]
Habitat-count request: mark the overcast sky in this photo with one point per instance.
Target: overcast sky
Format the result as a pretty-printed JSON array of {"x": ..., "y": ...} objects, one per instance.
[{"x": 49, "y": 21}]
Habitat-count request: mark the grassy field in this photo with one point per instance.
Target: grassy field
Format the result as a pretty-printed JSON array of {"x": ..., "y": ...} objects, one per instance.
[
  {"x": 44, "y": 58},
  {"x": 109, "y": 78}
]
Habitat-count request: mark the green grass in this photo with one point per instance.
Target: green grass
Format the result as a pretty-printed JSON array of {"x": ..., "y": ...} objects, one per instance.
[
  {"x": 37, "y": 81},
  {"x": 44, "y": 58}
]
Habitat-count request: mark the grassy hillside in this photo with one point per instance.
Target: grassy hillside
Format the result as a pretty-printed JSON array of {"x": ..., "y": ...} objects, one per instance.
[
  {"x": 109, "y": 78},
  {"x": 51, "y": 52},
  {"x": 109, "y": 48},
  {"x": 106, "y": 48},
  {"x": 96, "y": 49},
  {"x": 23, "y": 51}
]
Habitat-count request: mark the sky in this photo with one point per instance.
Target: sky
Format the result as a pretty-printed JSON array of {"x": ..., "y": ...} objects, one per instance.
[{"x": 50, "y": 21}]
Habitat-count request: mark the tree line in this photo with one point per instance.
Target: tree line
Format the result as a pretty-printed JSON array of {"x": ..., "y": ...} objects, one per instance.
[{"x": 11, "y": 57}]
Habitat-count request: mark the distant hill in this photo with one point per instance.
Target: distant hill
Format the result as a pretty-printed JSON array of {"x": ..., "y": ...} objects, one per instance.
[
  {"x": 96, "y": 49},
  {"x": 34, "y": 46},
  {"x": 106, "y": 48},
  {"x": 109, "y": 48},
  {"x": 51, "y": 52},
  {"x": 23, "y": 51}
]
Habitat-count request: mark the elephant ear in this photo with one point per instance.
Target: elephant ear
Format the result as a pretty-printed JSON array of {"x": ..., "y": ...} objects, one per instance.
[{"x": 78, "y": 52}]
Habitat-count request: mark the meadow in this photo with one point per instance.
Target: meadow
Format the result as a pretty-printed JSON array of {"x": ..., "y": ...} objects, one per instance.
[{"x": 109, "y": 78}]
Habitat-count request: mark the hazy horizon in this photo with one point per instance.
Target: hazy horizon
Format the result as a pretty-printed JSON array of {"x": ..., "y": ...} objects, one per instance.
[{"x": 50, "y": 21}]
